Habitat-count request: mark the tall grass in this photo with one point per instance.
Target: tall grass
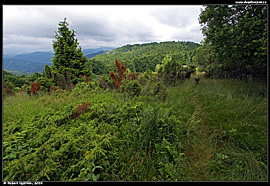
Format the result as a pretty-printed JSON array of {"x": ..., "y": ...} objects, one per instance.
[
  {"x": 237, "y": 116},
  {"x": 141, "y": 138}
]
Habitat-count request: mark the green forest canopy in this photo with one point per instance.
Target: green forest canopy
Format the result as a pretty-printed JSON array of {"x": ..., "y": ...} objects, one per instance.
[
  {"x": 143, "y": 57},
  {"x": 235, "y": 40}
]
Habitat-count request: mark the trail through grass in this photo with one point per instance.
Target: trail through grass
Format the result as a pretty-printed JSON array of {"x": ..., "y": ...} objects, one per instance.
[
  {"x": 216, "y": 131},
  {"x": 200, "y": 151},
  {"x": 228, "y": 120}
]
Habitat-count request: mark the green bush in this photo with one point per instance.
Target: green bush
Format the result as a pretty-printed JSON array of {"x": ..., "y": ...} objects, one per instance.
[{"x": 132, "y": 88}]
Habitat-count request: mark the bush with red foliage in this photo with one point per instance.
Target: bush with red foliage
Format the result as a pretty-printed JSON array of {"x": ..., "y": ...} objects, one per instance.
[
  {"x": 34, "y": 88},
  {"x": 83, "y": 108},
  {"x": 53, "y": 88},
  {"x": 132, "y": 76},
  {"x": 86, "y": 78},
  {"x": 8, "y": 89},
  {"x": 122, "y": 74}
]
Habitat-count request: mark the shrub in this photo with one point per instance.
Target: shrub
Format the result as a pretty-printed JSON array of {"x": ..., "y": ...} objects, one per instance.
[
  {"x": 8, "y": 89},
  {"x": 147, "y": 77},
  {"x": 159, "y": 90},
  {"x": 45, "y": 83},
  {"x": 34, "y": 88},
  {"x": 83, "y": 108},
  {"x": 132, "y": 76},
  {"x": 53, "y": 88},
  {"x": 26, "y": 88},
  {"x": 122, "y": 74},
  {"x": 133, "y": 88},
  {"x": 171, "y": 70},
  {"x": 84, "y": 78}
]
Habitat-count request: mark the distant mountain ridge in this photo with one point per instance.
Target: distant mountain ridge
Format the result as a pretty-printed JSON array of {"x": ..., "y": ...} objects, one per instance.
[
  {"x": 38, "y": 57},
  {"x": 137, "y": 57},
  {"x": 22, "y": 65},
  {"x": 35, "y": 61},
  {"x": 96, "y": 53},
  {"x": 95, "y": 50}
]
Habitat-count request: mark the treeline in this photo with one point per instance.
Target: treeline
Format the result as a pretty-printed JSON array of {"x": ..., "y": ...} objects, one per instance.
[
  {"x": 19, "y": 80},
  {"x": 235, "y": 44},
  {"x": 13, "y": 83}
]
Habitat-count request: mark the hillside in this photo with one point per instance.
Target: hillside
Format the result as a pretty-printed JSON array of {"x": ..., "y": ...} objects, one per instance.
[
  {"x": 137, "y": 57},
  {"x": 90, "y": 55},
  {"x": 23, "y": 65},
  {"x": 142, "y": 57},
  {"x": 128, "y": 52},
  {"x": 96, "y": 50},
  {"x": 39, "y": 57},
  {"x": 17, "y": 73},
  {"x": 28, "y": 63}
]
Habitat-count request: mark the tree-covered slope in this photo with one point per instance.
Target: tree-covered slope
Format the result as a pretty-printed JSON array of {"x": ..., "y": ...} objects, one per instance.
[
  {"x": 40, "y": 57},
  {"x": 142, "y": 57},
  {"x": 21, "y": 65}
]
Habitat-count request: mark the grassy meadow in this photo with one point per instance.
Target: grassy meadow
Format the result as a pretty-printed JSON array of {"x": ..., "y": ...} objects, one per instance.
[{"x": 216, "y": 131}]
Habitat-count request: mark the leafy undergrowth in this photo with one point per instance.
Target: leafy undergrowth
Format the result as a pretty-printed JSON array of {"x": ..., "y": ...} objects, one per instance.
[{"x": 215, "y": 131}]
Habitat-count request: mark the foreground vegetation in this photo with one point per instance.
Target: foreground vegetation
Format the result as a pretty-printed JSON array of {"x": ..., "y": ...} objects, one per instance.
[
  {"x": 79, "y": 121},
  {"x": 214, "y": 131}
]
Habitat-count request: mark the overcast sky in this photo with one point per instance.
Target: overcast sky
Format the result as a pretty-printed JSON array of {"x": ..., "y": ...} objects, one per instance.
[{"x": 31, "y": 28}]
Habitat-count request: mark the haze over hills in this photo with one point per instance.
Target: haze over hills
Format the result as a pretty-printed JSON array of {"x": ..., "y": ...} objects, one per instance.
[
  {"x": 23, "y": 65},
  {"x": 35, "y": 61},
  {"x": 137, "y": 57}
]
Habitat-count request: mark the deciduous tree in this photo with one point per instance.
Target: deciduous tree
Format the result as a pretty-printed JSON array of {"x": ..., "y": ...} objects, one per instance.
[{"x": 238, "y": 36}]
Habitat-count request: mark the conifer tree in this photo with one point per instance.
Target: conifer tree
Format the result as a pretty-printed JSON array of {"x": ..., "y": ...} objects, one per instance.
[{"x": 68, "y": 55}]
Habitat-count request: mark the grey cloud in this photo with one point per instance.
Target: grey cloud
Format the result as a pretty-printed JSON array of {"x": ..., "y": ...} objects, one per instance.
[
  {"x": 38, "y": 22},
  {"x": 35, "y": 26},
  {"x": 135, "y": 31},
  {"x": 188, "y": 35},
  {"x": 22, "y": 44},
  {"x": 95, "y": 29},
  {"x": 178, "y": 16},
  {"x": 103, "y": 31}
]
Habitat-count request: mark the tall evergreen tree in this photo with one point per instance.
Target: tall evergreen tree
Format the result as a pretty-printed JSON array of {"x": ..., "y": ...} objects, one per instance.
[{"x": 68, "y": 55}]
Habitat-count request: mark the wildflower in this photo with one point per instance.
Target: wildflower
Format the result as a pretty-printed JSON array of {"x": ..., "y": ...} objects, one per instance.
[
  {"x": 134, "y": 107},
  {"x": 89, "y": 156}
]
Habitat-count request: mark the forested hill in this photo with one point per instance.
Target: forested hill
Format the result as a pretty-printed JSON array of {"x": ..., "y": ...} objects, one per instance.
[{"x": 142, "y": 57}]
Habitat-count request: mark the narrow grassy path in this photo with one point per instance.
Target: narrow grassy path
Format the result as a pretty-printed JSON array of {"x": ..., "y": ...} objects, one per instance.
[
  {"x": 227, "y": 131},
  {"x": 200, "y": 150}
]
